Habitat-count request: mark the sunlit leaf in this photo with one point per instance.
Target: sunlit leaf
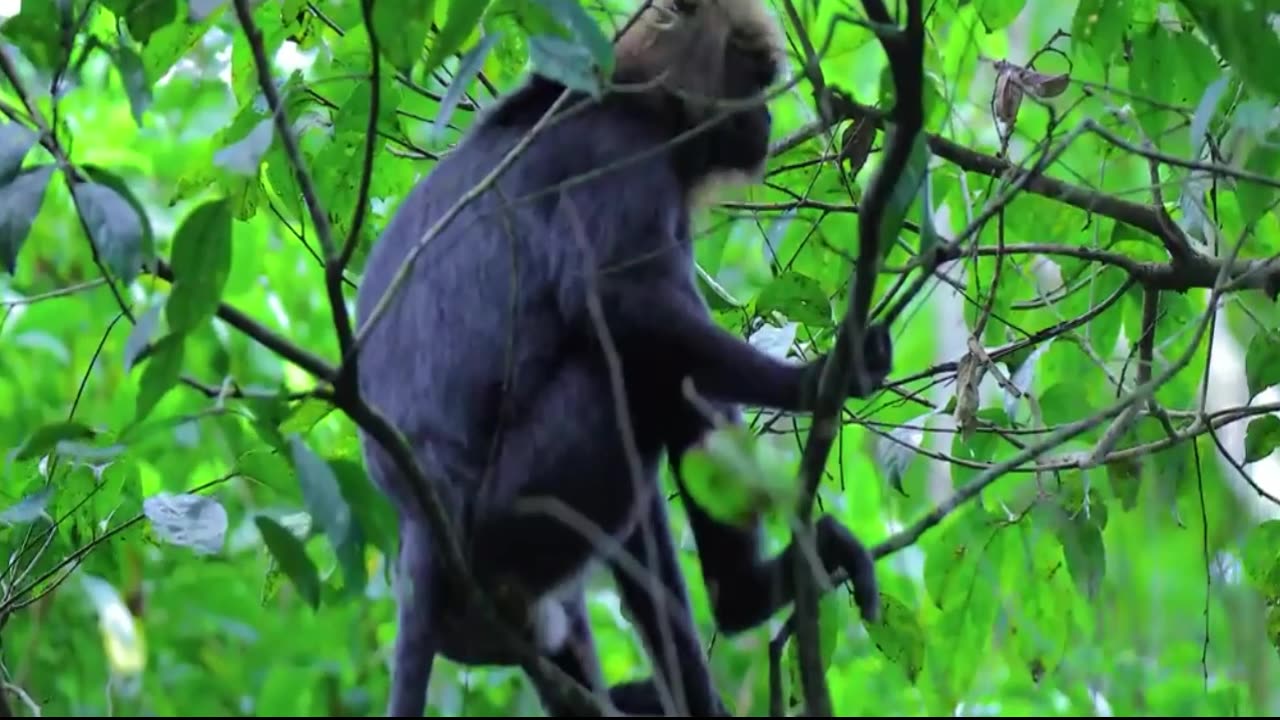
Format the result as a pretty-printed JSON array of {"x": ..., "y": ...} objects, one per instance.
[{"x": 194, "y": 521}]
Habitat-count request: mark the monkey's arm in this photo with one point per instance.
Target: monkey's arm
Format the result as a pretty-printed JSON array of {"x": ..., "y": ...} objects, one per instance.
[{"x": 666, "y": 325}]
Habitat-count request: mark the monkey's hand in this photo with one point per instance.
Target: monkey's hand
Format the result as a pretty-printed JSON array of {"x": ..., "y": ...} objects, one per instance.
[{"x": 877, "y": 348}]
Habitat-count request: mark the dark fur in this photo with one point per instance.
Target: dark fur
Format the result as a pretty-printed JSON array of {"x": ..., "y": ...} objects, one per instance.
[{"x": 489, "y": 363}]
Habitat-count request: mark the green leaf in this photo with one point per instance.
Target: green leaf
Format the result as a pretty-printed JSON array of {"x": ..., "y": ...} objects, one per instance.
[
  {"x": 401, "y": 29},
  {"x": 145, "y": 17},
  {"x": 1243, "y": 34},
  {"x": 830, "y": 623},
  {"x": 16, "y": 140},
  {"x": 998, "y": 14},
  {"x": 905, "y": 192},
  {"x": 201, "y": 263},
  {"x": 373, "y": 511},
  {"x": 270, "y": 468},
  {"x": 292, "y": 558},
  {"x": 114, "y": 228},
  {"x": 244, "y": 156},
  {"x": 188, "y": 520},
  {"x": 1262, "y": 558},
  {"x": 45, "y": 438},
  {"x": 1173, "y": 69},
  {"x": 37, "y": 33},
  {"x": 899, "y": 636},
  {"x": 735, "y": 477},
  {"x": 20, "y": 202},
  {"x": 1258, "y": 199},
  {"x": 463, "y": 17},
  {"x": 1262, "y": 438},
  {"x": 565, "y": 62},
  {"x": 798, "y": 297},
  {"x": 163, "y": 368},
  {"x": 321, "y": 493},
  {"x": 1101, "y": 24},
  {"x": 1085, "y": 552},
  {"x": 1262, "y": 362}
]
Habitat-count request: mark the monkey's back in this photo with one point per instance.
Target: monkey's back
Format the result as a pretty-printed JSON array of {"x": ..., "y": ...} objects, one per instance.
[{"x": 479, "y": 324}]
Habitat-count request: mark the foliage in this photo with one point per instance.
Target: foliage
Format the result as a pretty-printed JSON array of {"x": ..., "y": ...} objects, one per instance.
[{"x": 1055, "y": 478}]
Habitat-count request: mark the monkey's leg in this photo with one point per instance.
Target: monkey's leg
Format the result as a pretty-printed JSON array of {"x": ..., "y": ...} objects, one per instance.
[
  {"x": 415, "y": 646},
  {"x": 557, "y": 492},
  {"x": 746, "y": 590},
  {"x": 565, "y": 494},
  {"x": 576, "y": 656},
  {"x": 677, "y": 652},
  {"x": 579, "y": 659}
]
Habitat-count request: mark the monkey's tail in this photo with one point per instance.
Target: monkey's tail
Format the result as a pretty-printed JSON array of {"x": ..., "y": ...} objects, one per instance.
[{"x": 415, "y": 648}]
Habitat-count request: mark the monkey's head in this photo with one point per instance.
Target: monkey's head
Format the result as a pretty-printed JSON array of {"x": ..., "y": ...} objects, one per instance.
[{"x": 703, "y": 51}]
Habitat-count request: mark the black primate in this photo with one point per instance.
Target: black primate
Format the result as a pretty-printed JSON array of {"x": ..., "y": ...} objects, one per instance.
[{"x": 491, "y": 362}]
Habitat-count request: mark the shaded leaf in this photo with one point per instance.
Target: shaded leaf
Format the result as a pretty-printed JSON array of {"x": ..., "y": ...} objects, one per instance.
[
  {"x": 373, "y": 511},
  {"x": 102, "y": 176},
  {"x": 134, "y": 77},
  {"x": 321, "y": 493},
  {"x": 904, "y": 193},
  {"x": 114, "y": 228},
  {"x": 16, "y": 140},
  {"x": 292, "y": 558},
  {"x": 20, "y": 202},
  {"x": 586, "y": 31},
  {"x": 140, "y": 337},
  {"x": 565, "y": 62},
  {"x": 145, "y": 17}
]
